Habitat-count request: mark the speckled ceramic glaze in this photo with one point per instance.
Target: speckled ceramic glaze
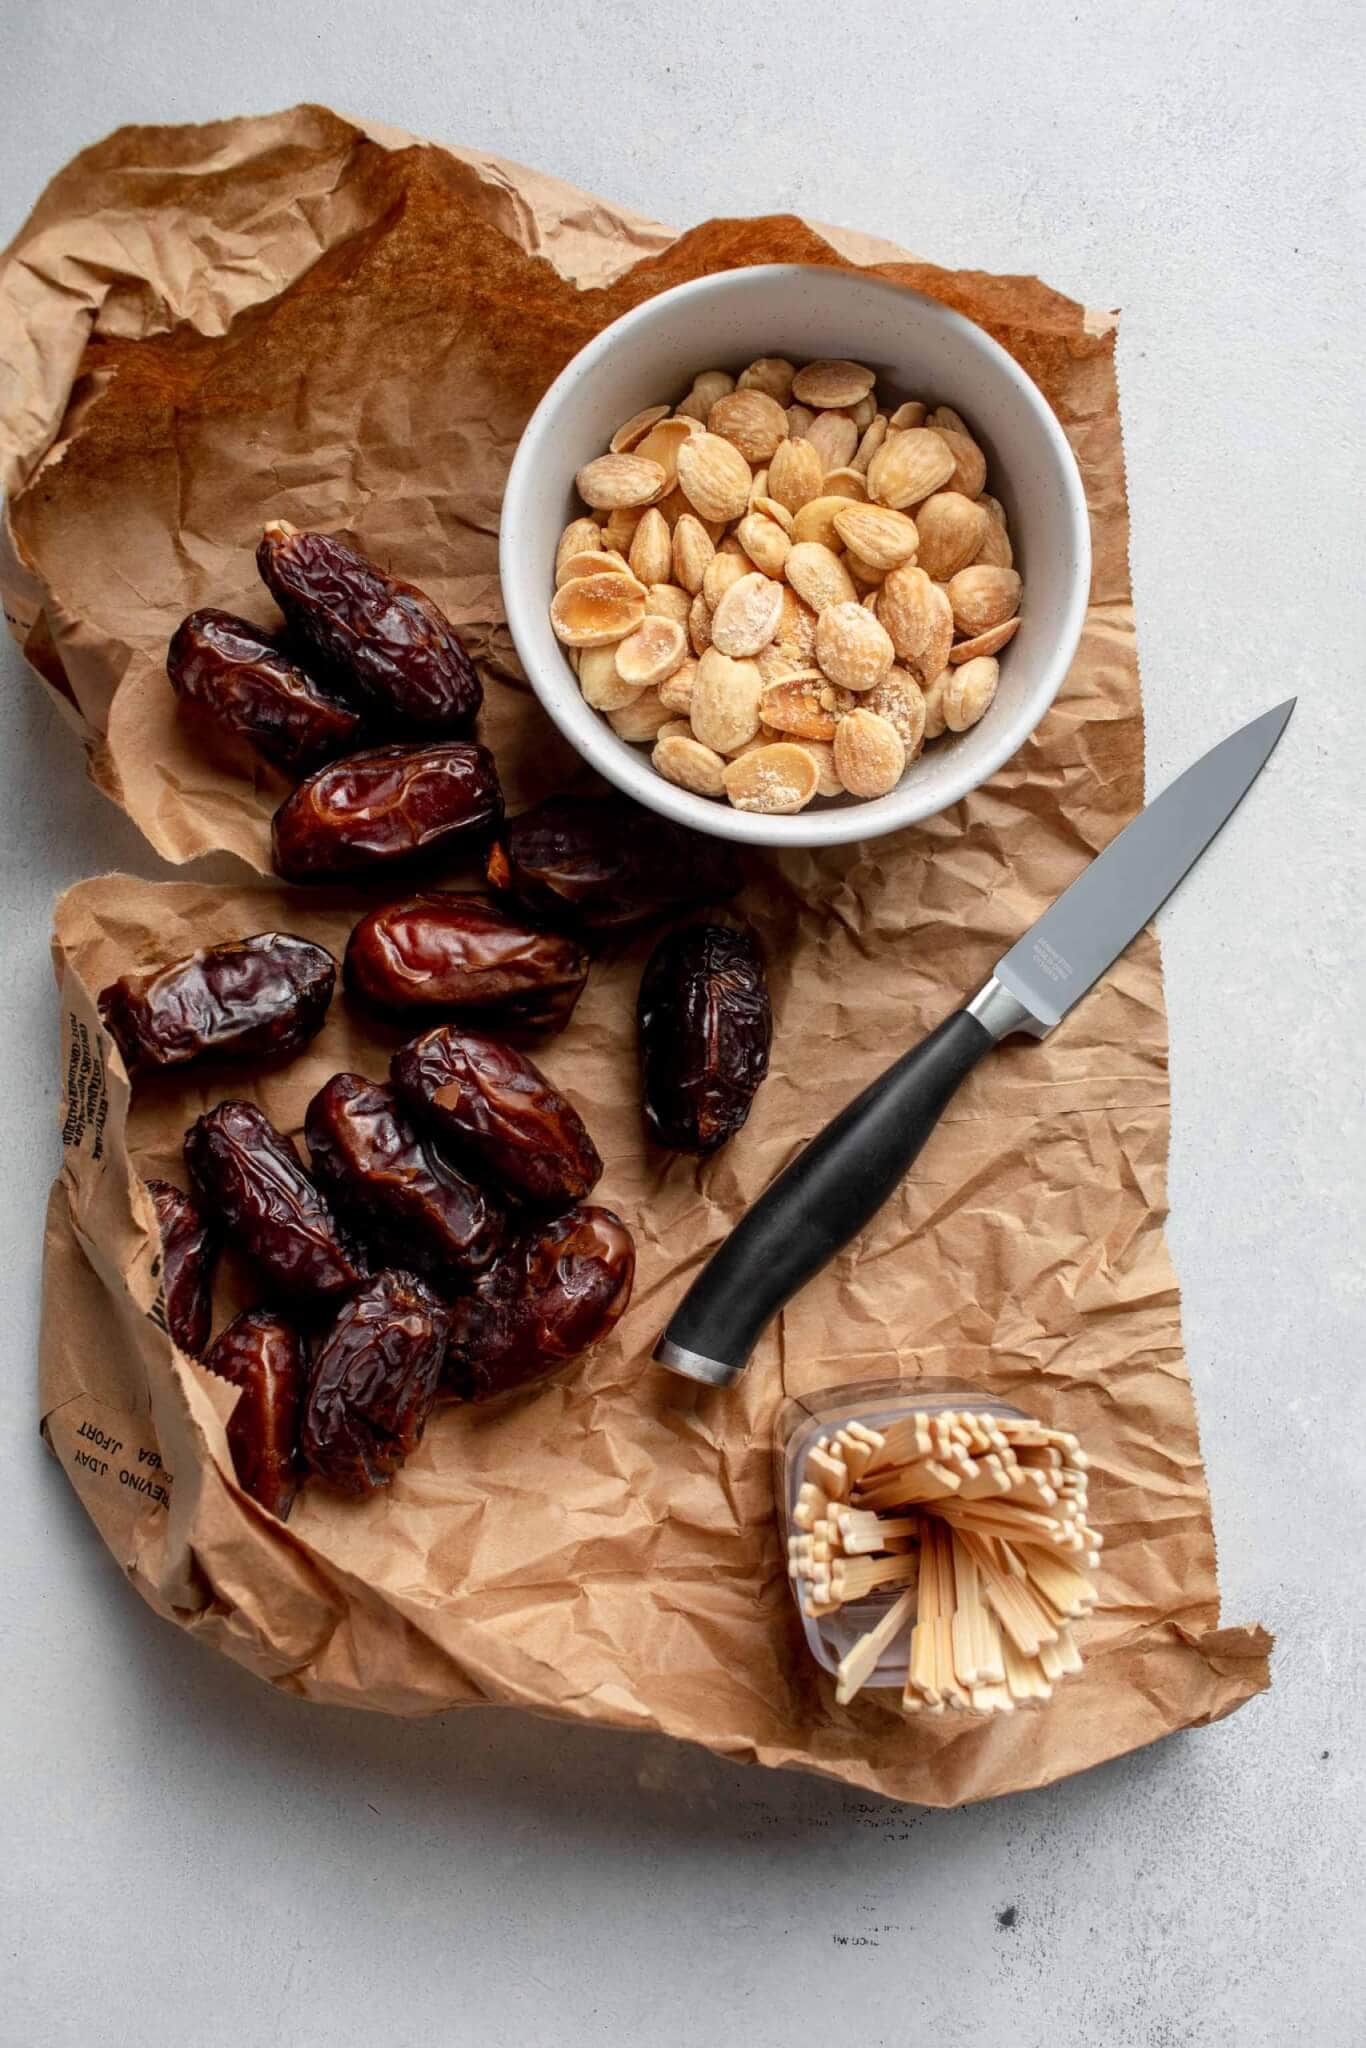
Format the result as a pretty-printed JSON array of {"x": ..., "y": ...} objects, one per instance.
[{"x": 919, "y": 349}]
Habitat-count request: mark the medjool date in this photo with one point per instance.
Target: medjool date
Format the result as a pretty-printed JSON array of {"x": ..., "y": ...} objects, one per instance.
[
  {"x": 240, "y": 676},
  {"x": 382, "y": 637},
  {"x": 267, "y": 1358},
  {"x": 706, "y": 1025},
  {"x": 375, "y": 1379},
  {"x": 553, "y": 1292},
  {"x": 388, "y": 805},
  {"x": 451, "y": 952},
  {"x": 393, "y": 1188},
  {"x": 604, "y": 863},
  {"x": 490, "y": 1106},
  {"x": 249, "y": 1176},
  {"x": 248, "y": 998},
  {"x": 188, "y": 1251}
]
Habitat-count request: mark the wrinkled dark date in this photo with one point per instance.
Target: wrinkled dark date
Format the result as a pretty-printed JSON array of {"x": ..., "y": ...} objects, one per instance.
[
  {"x": 188, "y": 1251},
  {"x": 554, "y": 1292},
  {"x": 250, "y": 1178},
  {"x": 705, "y": 1030},
  {"x": 604, "y": 863},
  {"x": 392, "y": 1187},
  {"x": 493, "y": 1109},
  {"x": 389, "y": 805},
  {"x": 267, "y": 1358},
  {"x": 250, "y": 998},
  {"x": 383, "y": 637},
  {"x": 243, "y": 679},
  {"x": 375, "y": 1378},
  {"x": 449, "y": 952}
]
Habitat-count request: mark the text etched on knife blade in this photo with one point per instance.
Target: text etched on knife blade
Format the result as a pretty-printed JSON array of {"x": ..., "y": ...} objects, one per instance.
[{"x": 1050, "y": 961}]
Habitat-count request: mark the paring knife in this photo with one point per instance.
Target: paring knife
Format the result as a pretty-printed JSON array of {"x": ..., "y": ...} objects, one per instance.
[{"x": 842, "y": 1178}]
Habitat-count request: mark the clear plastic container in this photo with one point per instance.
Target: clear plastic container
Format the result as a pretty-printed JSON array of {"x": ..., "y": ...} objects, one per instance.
[{"x": 875, "y": 1403}]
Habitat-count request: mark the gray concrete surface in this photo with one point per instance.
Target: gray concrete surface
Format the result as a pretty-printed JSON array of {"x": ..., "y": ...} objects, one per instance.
[{"x": 193, "y": 1859}]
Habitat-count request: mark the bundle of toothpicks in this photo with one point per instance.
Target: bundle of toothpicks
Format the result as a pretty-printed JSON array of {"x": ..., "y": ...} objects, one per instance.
[{"x": 976, "y": 1525}]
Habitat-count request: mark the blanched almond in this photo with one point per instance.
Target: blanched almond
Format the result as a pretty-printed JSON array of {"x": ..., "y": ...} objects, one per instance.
[
  {"x": 934, "y": 656},
  {"x": 993, "y": 507},
  {"x": 751, "y": 421},
  {"x": 881, "y": 536},
  {"x": 869, "y": 756},
  {"x": 764, "y": 541},
  {"x": 676, "y": 729},
  {"x": 599, "y": 681},
  {"x": 911, "y": 414},
  {"x": 663, "y": 442},
  {"x": 816, "y": 521},
  {"x": 614, "y": 480},
  {"x": 726, "y": 566},
  {"x": 995, "y": 551},
  {"x": 794, "y": 474},
  {"x": 775, "y": 780},
  {"x": 769, "y": 508},
  {"x": 699, "y": 624},
  {"x": 580, "y": 537},
  {"x": 667, "y": 601},
  {"x": 983, "y": 597},
  {"x": 900, "y": 700},
  {"x": 908, "y": 467},
  {"x": 797, "y": 626},
  {"x": 641, "y": 719},
  {"x": 968, "y": 692},
  {"x": 874, "y": 434},
  {"x": 687, "y": 762},
  {"x": 652, "y": 652},
  {"x": 591, "y": 610},
  {"x": 827, "y": 778},
  {"x": 847, "y": 483},
  {"x": 951, "y": 528},
  {"x": 832, "y": 381},
  {"x": 799, "y": 418},
  {"x": 834, "y": 438},
  {"x": 818, "y": 575},
  {"x": 725, "y": 701},
  {"x": 908, "y": 611},
  {"x": 866, "y": 575},
  {"x": 794, "y": 705},
  {"x": 676, "y": 690},
  {"x": 634, "y": 430},
  {"x": 714, "y": 476},
  {"x": 758, "y": 485},
  {"x": 771, "y": 374},
  {"x": 945, "y": 416},
  {"x": 620, "y": 529},
  {"x": 933, "y": 693},
  {"x": 864, "y": 412},
  {"x": 747, "y": 617},
  {"x": 692, "y": 551},
  {"x": 969, "y": 463},
  {"x": 990, "y": 642},
  {"x": 594, "y": 562},
  {"x": 651, "y": 555},
  {"x": 852, "y": 648}
]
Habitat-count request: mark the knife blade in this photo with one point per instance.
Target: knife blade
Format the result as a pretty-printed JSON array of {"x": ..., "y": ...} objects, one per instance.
[{"x": 839, "y": 1181}]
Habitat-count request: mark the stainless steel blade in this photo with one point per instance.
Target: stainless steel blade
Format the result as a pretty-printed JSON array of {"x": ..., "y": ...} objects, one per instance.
[{"x": 1077, "y": 938}]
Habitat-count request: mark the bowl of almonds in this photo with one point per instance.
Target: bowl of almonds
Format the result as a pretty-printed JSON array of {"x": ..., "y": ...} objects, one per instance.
[{"x": 794, "y": 555}]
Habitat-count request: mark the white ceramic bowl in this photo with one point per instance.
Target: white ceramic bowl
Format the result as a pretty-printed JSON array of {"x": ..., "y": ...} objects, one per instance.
[{"x": 919, "y": 349}]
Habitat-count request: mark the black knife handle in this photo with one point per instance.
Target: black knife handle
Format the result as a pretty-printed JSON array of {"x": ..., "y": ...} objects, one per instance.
[{"x": 824, "y": 1198}]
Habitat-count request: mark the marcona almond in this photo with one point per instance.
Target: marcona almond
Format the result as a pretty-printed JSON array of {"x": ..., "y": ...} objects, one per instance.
[
  {"x": 612, "y": 480},
  {"x": 934, "y": 656},
  {"x": 725, "y": 701},
  {"x": 818, "y": 575},
  {"x": 771, "y": 374},
  {"x": 797, "y": 626},
  {"x": 591, "y": 610},
  {"x": 945, "y": 416},
  {"x": 851, "y": 647},
  {"x": 764, "y": 541},
  {"x": 758, "y": 485},
  {"x": 620, "y": 529},
  {"x": 777, "y": 663},
  {"x": 594, "y": 562},
  {"x": 900, "y": 700},
  {"x": 751, "y": 421},
  {"x": 706, "y": 389},
  {"x": 651, "y": 555},
  {"x": 794, "y": 705},
  {"x": 968, "y": 692},
  {"x": 663, "y": 442},
  {"x": 995, "y": 551},
  {"x": 693, "y": 549},
  {"x": 676, "y": 690},
  {"x": 676, "y": 729},
  {"x": 933, "y": 693},
  {"x": 912, "y": 414},
  {"x": 969, "y": 463},
  {"x": 907, "y": 609},
  {"x": 866, "y": 575},
  {"x": 816, "y": 521},
  {"x": 847, "y": 483},
  {"x": 870, "y": 759},
  {"x": 794, "y": 474},
  {"x": 908, "y": 467},
  {"x": 724, "y": 568},
  {"x": 993, "y": 507},
  {"x": 834, "y": 439},
  {"x": 667, "y": 601},
  {"x": 636, "y": 428},
  {"x": 687, "y": 762},
  {"x": 641, "y": 719},
  {"x": 983, "y": 597},
  {"x": 874, "y": 434},
  {"x": 652, "y": 652},
  {"x": 799, "y": 418},
  {"x": 864, "y": 413},
  {"x": 747, "y": 617},
  {"x": 769, "y": 508},
  {"x": 831, "y": 382},
  {"x": 580, "y": 537},
  {"x": 775, "y": 780},
  {"x": 827, "y": 779},
  {"x": 699, "y": 624},
  {"x": 990, "y": 642},
  {"x": 603, "y": 688},
  {"x": 951, "y": 529},
  {"x": 881, "y": 536},
  {"x": 714, "y": 476}
]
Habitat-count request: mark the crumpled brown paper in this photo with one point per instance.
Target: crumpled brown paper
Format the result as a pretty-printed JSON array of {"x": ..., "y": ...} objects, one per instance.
[{"x": 305, "y": 316}]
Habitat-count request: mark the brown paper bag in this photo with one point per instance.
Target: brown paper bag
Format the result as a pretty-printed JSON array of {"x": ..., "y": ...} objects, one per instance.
[{"x": 338, "y": 325}]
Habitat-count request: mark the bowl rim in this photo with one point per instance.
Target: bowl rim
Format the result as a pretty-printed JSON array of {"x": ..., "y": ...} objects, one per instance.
[{"x": 841, "y": 825}]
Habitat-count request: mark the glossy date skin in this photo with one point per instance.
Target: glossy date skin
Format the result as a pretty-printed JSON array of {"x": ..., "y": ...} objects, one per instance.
[
  {"x": 266, "y": 1357},
  {"x": 386, "y": 807},
  {"x": 249, "y": 1177},
  {"x": 242, "y": 678},
  {"x": 555, "y": 1291},
  {"x": 602, "y": 864},
  {"x": 706, "y": 1025},
  {"x": 445, "y": 952},
  {"x": 380, "y": 637},
  {"x": 494, "y": 1110},
  {"x": 393, "y": 1188},
  {"x": 188, "y": 1252},
  {"x": 375, "y": 1379},
  {"x": 257, "y": 998}
]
